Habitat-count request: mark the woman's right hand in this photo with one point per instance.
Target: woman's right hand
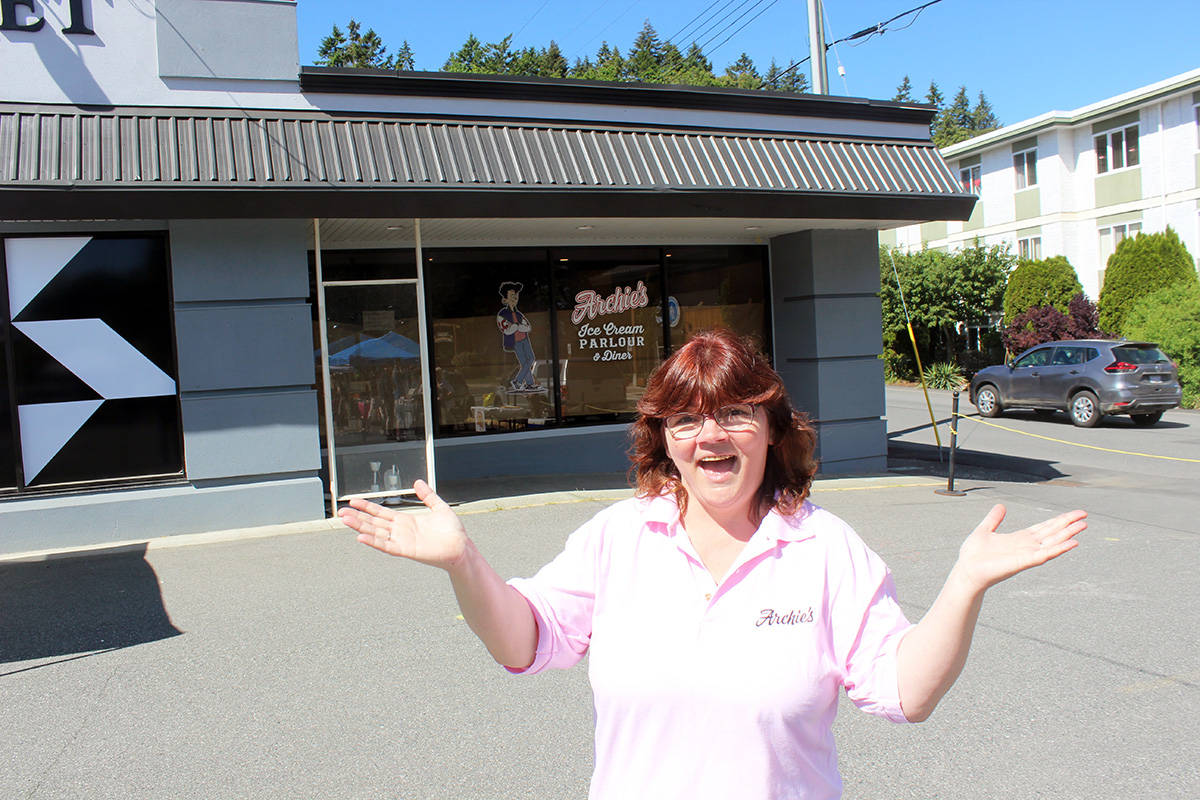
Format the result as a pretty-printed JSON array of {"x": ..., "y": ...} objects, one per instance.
[{"x": 437, "y": 538}]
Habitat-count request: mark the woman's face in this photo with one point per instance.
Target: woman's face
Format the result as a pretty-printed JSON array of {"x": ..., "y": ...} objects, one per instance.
[{"x": 722, "y": 470}]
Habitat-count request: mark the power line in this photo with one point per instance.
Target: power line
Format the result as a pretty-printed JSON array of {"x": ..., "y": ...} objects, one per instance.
[
  {"x": 719, "y": 22},
  {"x": 543, "y": 5},
  {"x": 739, "y": 30},
  {"x": 877, "y": 29},
  {"x": 693, "y": 19}
]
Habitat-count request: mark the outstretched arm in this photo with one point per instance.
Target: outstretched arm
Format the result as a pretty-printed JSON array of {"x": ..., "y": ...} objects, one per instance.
[
  {"x": 932, "y": 653},
  {"x": 496, "y": 612}
]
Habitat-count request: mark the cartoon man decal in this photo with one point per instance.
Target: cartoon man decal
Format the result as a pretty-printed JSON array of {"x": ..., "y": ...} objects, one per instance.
[{"x": 515, "y": 327}]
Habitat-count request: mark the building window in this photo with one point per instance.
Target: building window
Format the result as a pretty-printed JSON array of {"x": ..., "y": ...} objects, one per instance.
[
  {"x": 1117, "y": 149},
  {"x": 90, "y": 393},
  {"x": 534, "y": 338},
  {"x": 970, "y": 177},
  {"x": 1113, "y": 235},
  {"x": 1025, "y": 165},
  {"x": 1030, "y": 248},
  {"x": 1196, "y": 109}
]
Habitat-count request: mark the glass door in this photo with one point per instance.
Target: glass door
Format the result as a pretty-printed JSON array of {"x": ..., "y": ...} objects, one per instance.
[{"x": 375, "y": 397}]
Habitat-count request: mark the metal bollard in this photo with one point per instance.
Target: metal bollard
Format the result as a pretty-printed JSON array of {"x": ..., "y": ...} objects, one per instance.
[{"x": 950, "y": 490}]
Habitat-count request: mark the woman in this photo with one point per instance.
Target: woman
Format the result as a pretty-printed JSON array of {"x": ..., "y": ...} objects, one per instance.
[{"x": 723, "y": 612}]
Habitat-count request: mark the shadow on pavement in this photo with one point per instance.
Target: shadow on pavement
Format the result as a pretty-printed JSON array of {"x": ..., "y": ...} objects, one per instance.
[
  {"x": 64, "y": 607},
  {"x": 1018, "y": 468}
]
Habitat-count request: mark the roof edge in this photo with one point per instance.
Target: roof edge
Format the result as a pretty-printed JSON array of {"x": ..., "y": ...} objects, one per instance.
[
  {"x": 1175, "y": 84},
  {"x": 352, "y": 80}
]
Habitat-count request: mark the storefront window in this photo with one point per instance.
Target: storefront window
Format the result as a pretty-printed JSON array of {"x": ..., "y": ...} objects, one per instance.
[
  {"x": 717, "y": 287},
  {"x": 492, "y": 339},
  {"x": 608, "y": 310},
  {"x": 88, "y": 323}
]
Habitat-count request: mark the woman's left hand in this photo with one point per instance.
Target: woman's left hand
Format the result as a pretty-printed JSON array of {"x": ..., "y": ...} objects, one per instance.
[{"x": 988, "y": 557}]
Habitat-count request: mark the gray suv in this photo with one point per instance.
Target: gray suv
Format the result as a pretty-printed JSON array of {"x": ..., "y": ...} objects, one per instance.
[{"x": 1087, "y": 378}]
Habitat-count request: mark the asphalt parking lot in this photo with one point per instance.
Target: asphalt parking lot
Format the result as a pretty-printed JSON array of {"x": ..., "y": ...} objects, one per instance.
[{"x": 306, "y": 665}]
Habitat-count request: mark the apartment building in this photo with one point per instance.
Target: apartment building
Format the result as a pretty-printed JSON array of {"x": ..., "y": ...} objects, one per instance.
[{"x": 1076, "y": 183}]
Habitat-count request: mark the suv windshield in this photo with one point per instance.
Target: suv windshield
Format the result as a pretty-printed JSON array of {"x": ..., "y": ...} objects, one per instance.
[{"x": 1140, "y": 354}]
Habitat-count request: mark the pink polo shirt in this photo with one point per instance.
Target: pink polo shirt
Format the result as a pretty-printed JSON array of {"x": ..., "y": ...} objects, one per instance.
[{"x": 717, "y": 691}]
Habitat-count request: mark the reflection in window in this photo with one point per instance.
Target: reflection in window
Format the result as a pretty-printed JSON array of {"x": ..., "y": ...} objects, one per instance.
[
  {"x": 608, "y": 308},
  {"x": 489, "y": 311},
  {"x": 715, "y": 287}
]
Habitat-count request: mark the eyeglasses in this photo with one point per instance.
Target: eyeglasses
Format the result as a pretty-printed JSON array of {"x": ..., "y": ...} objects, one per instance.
[{"x": 734, "y": 418}]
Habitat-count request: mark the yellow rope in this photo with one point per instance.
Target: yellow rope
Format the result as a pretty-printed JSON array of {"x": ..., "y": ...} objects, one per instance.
[{"x": 1076, "y": 444}]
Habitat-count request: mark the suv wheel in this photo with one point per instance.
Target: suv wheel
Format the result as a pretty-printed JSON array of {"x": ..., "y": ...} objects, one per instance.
[
  {"x": 987, "y": 401},
  {"x": 1085, "y": 410},
  {"x": 1146, "y": 420}
]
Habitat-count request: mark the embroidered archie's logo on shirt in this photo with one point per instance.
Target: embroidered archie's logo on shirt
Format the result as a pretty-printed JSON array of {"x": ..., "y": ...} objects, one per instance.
[{"x": 770, "y": 616}]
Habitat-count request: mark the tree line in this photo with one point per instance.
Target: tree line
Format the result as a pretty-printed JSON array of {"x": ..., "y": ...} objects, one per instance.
[{"x": 650, "y": 59}]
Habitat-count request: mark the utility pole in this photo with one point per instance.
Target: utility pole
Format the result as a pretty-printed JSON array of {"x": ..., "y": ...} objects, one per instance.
[{"x": 816, "y": 47}]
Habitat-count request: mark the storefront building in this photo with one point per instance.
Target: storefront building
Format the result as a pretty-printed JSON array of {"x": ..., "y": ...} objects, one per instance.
[{"x": 237, "y": 291}]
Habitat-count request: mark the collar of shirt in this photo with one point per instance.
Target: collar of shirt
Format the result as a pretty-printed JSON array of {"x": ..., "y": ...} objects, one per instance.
[{"x": 662, "y": 514}]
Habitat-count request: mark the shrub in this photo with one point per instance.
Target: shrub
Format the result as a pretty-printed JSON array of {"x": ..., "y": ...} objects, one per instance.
[
  {"x": 897, "y": 367},
  {"x": 943, "y": 375},
  {"x": 1049, "y": 282},
  {"x": 1047, "y": 324},
  {"x": 1142, "y": 265},
  {"x": 1171, "y": 317}
]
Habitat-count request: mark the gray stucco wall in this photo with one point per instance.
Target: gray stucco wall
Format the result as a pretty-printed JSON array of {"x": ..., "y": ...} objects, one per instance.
[
  {"x": 243, "y": 334},
  {"x": 826, "y": 316}
]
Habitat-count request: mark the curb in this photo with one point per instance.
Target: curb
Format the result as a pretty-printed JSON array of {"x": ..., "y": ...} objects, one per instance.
[{"x": 490, "y": 505}]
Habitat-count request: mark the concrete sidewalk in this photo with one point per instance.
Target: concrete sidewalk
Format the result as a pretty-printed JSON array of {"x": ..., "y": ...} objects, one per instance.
[
  {"x": 467, "y": 497},
  {"x": 292, "y": 663}
]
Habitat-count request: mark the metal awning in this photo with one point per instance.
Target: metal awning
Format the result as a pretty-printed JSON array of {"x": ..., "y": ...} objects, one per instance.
[{"x": 256, "y": 163}]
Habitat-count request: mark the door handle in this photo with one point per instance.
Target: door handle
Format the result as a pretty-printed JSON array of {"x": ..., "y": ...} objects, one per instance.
[
  {"x": 1074, "y": 372},
  {"x": 1034, "y": 374}
]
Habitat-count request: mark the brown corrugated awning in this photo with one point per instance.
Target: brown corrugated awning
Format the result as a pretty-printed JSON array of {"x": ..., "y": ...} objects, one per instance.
[{"x": 62, "y": 161}]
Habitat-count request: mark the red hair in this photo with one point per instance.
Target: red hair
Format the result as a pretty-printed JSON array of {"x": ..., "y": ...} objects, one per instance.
[{"x": 713, "y": 369}]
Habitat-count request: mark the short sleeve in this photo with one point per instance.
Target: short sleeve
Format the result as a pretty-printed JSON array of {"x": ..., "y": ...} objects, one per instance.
[
  {"x": 562, "y": 596},
  {"x": 868, "y": 626}
]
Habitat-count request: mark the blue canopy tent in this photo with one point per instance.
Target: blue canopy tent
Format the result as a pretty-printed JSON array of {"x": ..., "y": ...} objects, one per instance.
[{"x": 388, "y": 347}]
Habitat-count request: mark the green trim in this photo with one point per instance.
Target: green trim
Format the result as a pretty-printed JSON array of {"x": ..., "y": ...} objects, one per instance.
[
  {"x": 1025, "y": 144},
  {"x": 970, "y": 161},
  {"x": 932, "y": 230},
  {"x": 1119, "y": 187},
  {"x": 1196, "y": 98},
  {"x": 1025, "y": 233},
  {"x": 1132, "y": 118},
  {"x": 1119, "y": 219},
  {"x": 1027, "y": 203},
  {"x": 976, "y": 219}
]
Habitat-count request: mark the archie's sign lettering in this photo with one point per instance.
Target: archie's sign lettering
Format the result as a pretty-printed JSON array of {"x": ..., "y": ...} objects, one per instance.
[{"x": 9, "y": 14}]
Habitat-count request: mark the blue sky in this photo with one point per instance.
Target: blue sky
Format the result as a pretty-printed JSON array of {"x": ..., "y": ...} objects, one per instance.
[{"x": 1027, "y": 56}]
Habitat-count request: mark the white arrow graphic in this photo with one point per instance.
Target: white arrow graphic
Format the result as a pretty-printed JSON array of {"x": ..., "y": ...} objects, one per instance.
[
  {"x": 46, "y": 427},
  {"x": 100, "y": 357}
]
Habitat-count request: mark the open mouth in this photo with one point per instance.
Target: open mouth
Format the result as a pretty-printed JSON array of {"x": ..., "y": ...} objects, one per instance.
[{"x": 717, "y": 465}]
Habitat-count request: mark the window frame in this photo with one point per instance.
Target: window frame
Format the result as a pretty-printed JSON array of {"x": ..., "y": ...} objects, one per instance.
[
  {"x": 1030, "y": 248},
  {"x": 1106, "y": 154},
  {"x": 1028, "y": 158},
  {"x": 971, "y": 178}
]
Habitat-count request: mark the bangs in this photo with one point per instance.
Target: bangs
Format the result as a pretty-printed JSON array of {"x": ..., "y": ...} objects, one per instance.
[{"x": 709, "y": 372}]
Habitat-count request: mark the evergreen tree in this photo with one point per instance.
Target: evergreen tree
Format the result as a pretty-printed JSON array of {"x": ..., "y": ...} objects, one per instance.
[
  {"x": 934, "y": 97},
  {"x": 983, "y": 119},
  {"x": 742, "y": 74},
  {"x": 468, "y": 58},
  {"x": 554, "y": 63},
  {"x": 355, "y": 49},
  {"x": 1141, "y": 265},
  {"x": 904, "y": 91},
  {"x": 645, "y": 59}
]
